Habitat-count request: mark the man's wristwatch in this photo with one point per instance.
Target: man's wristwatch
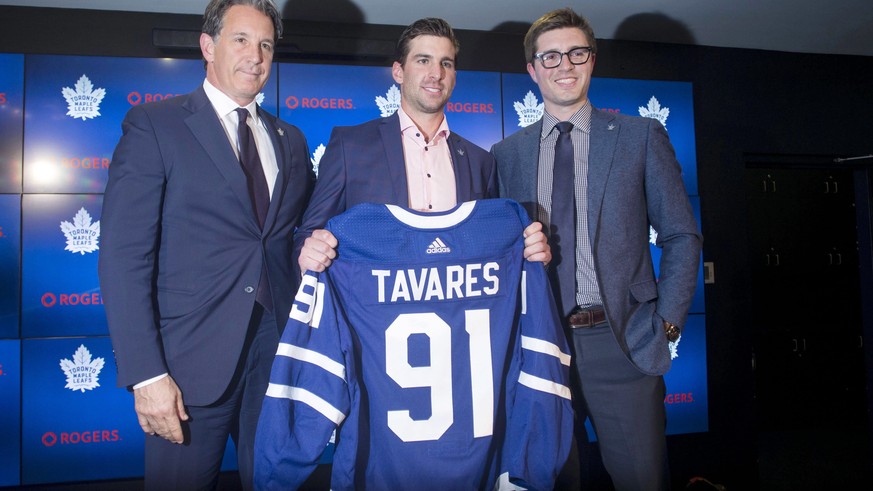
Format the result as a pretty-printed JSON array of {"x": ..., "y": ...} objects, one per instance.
[{"x": 672, "y": 331}]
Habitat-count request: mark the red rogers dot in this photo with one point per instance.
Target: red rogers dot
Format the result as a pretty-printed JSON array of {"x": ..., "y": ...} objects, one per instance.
[{"x": 49, "y": 439}]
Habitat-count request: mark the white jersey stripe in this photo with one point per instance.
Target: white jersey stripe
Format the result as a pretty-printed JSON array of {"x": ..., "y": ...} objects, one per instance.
[
  {"x": 523, "y": 292},
  {"x": 545, "y": 348},
  {"x": 543, "y": 385},
  {"x": 504, "y": 484},
  {"x": 302, "y": 395},
  {"x": 312, "y": 357}
]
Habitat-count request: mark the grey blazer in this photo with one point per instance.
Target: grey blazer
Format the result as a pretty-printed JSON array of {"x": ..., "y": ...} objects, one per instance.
[{"x": 634, "y": 180}]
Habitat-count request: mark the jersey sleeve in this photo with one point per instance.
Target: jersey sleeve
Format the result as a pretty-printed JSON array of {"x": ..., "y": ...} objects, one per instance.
[
  {"x": 539, "y": 409},
  {"x": 308, "y": 395}
]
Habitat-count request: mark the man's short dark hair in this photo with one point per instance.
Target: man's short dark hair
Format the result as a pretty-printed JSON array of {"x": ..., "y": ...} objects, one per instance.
[
  {"x": 213, "y": 17},
  {"x": 557, "y": 19},
  {"x": 430, "y": 26}
]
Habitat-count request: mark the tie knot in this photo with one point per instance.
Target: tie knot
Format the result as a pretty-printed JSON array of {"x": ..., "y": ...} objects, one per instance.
[
  {"x": 564, "y": 127},
  {"x": 243, "y": 114}
]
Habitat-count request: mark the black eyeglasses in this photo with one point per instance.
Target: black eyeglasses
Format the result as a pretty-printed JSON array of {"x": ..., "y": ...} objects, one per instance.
[{"x": 577, "y": 56}]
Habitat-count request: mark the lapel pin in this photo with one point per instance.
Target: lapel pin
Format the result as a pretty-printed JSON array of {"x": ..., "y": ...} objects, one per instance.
[
  {"x": 281, "y": 131},
  {"x": 610, "y": 127},
  {"x": 460, "y": 151}
]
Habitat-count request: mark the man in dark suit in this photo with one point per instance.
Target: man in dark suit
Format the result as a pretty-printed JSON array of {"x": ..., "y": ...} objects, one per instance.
[
  {"x": 410, "y": 158},
  {"x": 196, "y": 266},
  {"x": 623, "y": 176}
]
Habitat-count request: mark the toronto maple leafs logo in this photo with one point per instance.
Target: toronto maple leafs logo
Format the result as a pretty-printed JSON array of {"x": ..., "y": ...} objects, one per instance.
[
  {"x": 82, "y": 235},
  {"x": 260, "y": 98},
  {"x": 655, "y": 111},
  {"x": 653, "y": 236},
  {"x": 83, "y": 102},
  {"x": 530, "y": 111},
  {"x": 389, "y": 104},
  {"x": 316, "y": 158},
  {"x": 82, "y": 372}
]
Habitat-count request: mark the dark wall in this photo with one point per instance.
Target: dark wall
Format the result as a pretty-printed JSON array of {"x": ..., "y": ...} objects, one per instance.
[{"x": 746, "y": 102}]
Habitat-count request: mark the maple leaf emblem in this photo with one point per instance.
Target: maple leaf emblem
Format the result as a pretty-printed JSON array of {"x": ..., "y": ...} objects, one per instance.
[
  {"x": 674, "y": 348},
  {"x": 530, "y": 112},
  {"x": 82, "y": 235},
  {"x": 655, "y": 111},
  {"x": 83, "y": 102},
  {"x": 389, "y": 104},
  {"x": 653, "y": 236},
  {"x": 82, "y": 372},
  {"x": 316, "y": 158},
  {"x": 260, "y": 98}
]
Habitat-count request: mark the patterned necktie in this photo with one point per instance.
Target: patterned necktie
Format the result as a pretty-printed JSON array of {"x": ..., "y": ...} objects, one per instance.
[
  {"x": 563, "y": 221},
  {"x": 251, "y": 164},
  {"x": 258, "y": 191}
]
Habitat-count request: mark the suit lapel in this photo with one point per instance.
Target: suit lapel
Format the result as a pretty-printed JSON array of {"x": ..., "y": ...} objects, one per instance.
[
  {"x": 392, "y": 142},
  {"x": 283, "y": 159},
  {"x": 529, "y": 151},
  {"x": 603, "y": 138},
  {"x": 209, "y": 132},
  {"x": 461, "y": 162}
]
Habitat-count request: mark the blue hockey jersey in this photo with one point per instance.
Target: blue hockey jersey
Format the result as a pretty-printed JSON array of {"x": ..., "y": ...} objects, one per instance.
[{"x": 434, "y": 351}]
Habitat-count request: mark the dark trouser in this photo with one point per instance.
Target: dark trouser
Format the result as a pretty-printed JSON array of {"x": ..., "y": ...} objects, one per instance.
[
  {"x": 196, "y": 463},
  {"x": 626, "y": 408}
]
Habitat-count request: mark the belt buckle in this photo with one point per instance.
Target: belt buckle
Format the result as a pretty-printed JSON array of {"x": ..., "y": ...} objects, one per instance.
[{"x": 584, "y": 318}]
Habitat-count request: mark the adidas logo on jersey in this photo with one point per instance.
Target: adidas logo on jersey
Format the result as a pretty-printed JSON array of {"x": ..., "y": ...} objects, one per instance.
[{"x": 438, "y": 247}]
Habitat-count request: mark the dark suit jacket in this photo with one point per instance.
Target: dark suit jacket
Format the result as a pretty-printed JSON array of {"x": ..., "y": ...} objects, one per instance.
[
  {"x": 182, "y": 252},
  {"x": 633, "y": 180},
  {"x": 365, "y": 164}
]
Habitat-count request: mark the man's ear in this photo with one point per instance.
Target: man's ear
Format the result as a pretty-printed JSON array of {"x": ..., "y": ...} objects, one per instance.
[
  {"x": 207, "y": 47},
  {"x": 397, "y": 72}
]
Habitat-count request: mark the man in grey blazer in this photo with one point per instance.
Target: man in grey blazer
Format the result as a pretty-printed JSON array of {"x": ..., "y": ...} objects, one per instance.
[
  {"x": 619, "y": 317},
  {"x": 196, "y": 272}
]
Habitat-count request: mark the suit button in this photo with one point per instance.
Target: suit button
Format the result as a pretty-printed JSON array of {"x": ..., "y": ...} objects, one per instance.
[{"x": 249, "y": 289}]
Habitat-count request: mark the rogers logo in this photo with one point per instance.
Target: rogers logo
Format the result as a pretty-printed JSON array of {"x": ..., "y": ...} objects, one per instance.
[
  {"x": 50, "y": 439},
  {"x": 293, "y": 102},
  {"x": 469, "y": 107},
  {"x": 2, "y": 97},
  {"x": 86, "y": 163},
  {"x": 135, "y": 98},
  {"x": 49, "y": 299},
  {"x": 681, "y": 398}
]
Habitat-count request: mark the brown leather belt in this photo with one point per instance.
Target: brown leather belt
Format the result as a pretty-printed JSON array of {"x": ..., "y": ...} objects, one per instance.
[{"x": 581, "y": 318}]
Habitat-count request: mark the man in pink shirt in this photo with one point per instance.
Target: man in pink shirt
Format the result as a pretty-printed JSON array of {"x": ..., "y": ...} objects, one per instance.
[{"x": 411, "y": 158}]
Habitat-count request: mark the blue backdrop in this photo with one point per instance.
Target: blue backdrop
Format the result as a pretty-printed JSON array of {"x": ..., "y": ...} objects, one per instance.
[
  {"x": 81, "y": 427},
  {"x": 60, "y": 293},
  {"x": 10, "y": 263},
  {"x": 11, "y": 121},
  {"x": 10, "y": 411},
  {"x": 75, "y": 105}
]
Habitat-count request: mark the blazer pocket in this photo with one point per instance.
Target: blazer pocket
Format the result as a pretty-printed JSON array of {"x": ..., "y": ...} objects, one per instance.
[
  {"x": 644, "y": 291},
  {"x": 174, "y": 303}
]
